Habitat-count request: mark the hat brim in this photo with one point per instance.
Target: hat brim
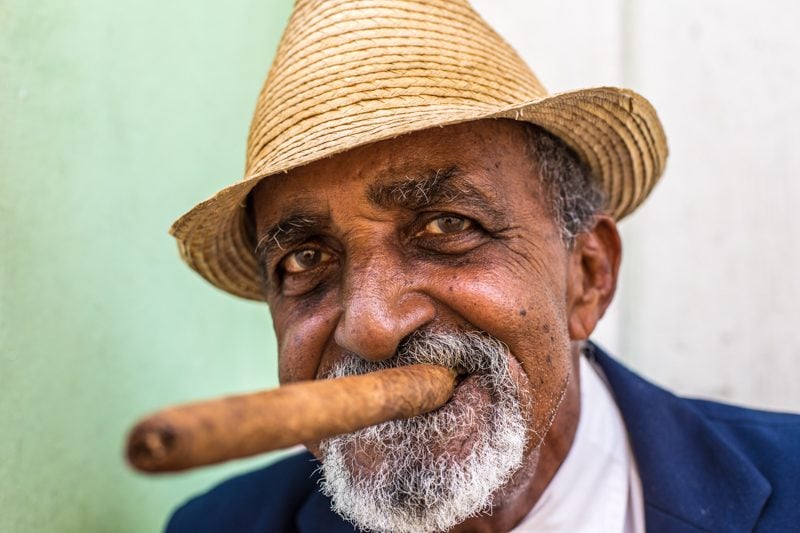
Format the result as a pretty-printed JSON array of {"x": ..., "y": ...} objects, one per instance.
[{"x": 615, "y": 131}]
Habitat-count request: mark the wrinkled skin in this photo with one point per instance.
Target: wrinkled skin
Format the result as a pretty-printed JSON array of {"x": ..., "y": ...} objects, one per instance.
[{"x": 485, "y": 255}]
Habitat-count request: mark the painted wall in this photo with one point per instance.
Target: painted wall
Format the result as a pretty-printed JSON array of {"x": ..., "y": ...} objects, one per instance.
[
  {"x": 114, "y": 118},
  {"x": 709, "y": 300}
]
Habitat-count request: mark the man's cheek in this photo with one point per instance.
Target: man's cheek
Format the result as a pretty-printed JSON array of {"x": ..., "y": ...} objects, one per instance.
[
  {"x": 301, "y": 345},
  {"x": 506, "y": 307}
]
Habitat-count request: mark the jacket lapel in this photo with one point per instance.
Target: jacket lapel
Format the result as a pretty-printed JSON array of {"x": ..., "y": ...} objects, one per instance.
[{"x": 692, "y": 478}]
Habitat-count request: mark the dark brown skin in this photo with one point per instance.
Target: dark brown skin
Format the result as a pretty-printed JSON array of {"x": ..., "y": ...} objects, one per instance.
[{"x": 484, "y": 255}]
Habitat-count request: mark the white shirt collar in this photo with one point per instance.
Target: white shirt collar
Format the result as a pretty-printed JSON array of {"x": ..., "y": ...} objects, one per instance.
[{"x": 597, "y": 488}]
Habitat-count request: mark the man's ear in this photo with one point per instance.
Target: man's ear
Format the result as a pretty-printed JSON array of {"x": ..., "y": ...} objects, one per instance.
[{"x": 592, "y": 276}]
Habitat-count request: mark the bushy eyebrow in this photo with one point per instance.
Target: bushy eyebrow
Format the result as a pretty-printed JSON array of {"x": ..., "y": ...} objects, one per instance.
[
  {"x": 431, "y": 188},
  {"x": 415, "y": 191},
  {"x": 290, "y": 231}
]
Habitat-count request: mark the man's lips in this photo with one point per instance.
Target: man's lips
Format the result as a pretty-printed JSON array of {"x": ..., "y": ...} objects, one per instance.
[
  {"x": 472, "y": 386},
  {"x": 461, "y": 374},
  {"x": 468, "y": 385}
]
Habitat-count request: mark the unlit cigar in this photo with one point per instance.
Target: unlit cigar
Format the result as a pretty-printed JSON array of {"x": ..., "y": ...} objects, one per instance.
[{"x": 213, "y": 431}]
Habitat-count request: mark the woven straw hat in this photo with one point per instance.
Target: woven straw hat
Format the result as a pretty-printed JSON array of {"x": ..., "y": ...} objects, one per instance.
[{"x": 352, "y": 72}]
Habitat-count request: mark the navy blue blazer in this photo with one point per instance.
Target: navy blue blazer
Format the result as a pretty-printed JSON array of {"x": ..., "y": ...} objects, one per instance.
[{"x": 704, "y": 466}]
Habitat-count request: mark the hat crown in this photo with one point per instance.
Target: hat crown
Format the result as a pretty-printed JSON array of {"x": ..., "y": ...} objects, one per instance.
[{"x": 348, "y": 69}]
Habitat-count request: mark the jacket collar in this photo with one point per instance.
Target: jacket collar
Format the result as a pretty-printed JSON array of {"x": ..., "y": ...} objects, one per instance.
[{"x": 691, "y": 475}]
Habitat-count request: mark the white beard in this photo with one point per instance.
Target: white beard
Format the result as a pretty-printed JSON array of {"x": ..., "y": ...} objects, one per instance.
[{"x": 416, "y": 483}]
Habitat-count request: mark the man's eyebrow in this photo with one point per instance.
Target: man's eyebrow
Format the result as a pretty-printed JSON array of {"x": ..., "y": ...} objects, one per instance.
[
  {"x": 291, "y": 230},
  {"x": 415, "y": 191},
  {"x": 429, "y": 188}
]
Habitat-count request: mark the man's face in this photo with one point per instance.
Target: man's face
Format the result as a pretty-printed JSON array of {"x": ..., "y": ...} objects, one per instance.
[{"x": 441, "y": 231}]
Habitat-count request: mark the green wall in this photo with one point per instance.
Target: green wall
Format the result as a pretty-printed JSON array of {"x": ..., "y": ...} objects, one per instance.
[{"x": 115, "y": 117}]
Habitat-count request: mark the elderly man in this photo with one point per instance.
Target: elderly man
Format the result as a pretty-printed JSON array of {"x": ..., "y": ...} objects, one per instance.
[{"x": 412, "y": 194}]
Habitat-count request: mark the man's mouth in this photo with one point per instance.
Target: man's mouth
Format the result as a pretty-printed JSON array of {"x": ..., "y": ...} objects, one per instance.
[
  {"x": 461, "y": 374},
  {"x": 467, "y": 386}
]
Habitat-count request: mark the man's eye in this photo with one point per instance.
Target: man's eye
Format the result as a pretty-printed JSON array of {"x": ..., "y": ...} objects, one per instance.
[
  {"x": 303, "y": 260},
  {"x": 447, "y": 224}
]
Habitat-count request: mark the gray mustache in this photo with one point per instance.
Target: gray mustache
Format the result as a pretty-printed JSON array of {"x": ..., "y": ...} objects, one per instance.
[{"x": 471, "y": 352}]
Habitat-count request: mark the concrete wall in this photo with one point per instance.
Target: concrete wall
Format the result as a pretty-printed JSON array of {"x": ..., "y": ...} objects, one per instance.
[{"x": 709, "y": 301}]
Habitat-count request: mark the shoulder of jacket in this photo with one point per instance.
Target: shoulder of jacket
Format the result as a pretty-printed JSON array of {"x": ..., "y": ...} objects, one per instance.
[{"x": 269, "y": 496}]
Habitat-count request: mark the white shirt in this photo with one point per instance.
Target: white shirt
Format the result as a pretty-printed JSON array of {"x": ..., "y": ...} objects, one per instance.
[{"x": 597, "y": 488}]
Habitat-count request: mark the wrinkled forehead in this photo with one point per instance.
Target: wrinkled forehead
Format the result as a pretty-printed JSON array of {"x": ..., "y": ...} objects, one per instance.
[{"x": 483, "y": 161}]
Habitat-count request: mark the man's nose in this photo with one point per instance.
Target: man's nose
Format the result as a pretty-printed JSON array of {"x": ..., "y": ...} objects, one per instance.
[{"x": 382, "y": 305}]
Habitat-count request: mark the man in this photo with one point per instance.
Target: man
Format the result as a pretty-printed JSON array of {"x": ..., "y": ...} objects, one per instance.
[{"x": 412, "y": 194}]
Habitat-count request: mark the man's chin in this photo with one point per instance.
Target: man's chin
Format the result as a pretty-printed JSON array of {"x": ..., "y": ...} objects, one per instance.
[
  {"x": 427, "y": 473},
  {"x": 431, "y": 472}
]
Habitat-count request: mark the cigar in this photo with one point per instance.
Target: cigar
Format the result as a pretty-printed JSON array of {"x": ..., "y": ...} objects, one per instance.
[{"x": 213, "y": 431}]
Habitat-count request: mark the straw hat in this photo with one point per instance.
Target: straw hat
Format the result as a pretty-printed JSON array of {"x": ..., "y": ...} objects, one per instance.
[{"x": 352, "y": 72}]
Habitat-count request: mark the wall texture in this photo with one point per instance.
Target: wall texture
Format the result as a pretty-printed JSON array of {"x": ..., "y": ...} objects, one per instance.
[
  {"x": 709, "y": 299},
  {"x": 114, "y": 118}
]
